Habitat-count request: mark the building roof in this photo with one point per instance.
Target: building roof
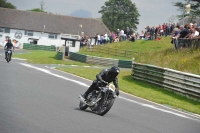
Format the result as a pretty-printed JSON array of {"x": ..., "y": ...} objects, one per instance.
[{"x": 35, "y": 21}]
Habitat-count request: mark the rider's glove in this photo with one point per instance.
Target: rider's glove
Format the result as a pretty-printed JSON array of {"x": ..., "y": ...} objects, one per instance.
[{"x": 104, "y": 82}]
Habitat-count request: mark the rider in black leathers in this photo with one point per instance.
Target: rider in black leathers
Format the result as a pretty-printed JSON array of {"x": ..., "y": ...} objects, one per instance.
[
  {"x": 103, "y": 78},
  {"x": 8, "y": 46}
]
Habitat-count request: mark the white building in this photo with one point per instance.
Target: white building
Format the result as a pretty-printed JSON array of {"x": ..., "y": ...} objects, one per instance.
[{"x": 46, "y": 29}]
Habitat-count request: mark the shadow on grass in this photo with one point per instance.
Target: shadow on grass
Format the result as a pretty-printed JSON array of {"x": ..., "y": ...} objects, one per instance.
[{"x": 153, "y": 87}]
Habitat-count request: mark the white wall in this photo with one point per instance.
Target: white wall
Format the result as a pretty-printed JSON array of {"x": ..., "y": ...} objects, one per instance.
[
  {"x": 76, "y": 48},
  {"x": 43, "y": 38}
]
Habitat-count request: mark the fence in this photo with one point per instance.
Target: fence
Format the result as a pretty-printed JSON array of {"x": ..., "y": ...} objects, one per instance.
[
  {"x": 180, "y": 82},
  {"x": 111, "y": 51},
  {"x": 38, "y": 47},
  {"x": 186, "y": 43},
  {"x": 100, "y": 60}
]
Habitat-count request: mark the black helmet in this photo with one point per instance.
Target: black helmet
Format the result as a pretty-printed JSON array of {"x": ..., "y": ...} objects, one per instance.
[
  {"x": 114, "y": 71},
  {"x": 9, "y": 40}
]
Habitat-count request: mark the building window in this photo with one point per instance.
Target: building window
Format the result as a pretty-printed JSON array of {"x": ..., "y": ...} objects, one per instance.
[
  {"x": 5, "y": 30},
  {"x": 29, "y": 33},
  {"x": 1, "y": 30},
  {"x": 53, "y": 36}
]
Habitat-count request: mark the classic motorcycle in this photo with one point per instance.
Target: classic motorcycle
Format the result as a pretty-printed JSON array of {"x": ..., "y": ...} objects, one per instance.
[
  {"x": 99, "y": 101},
  {"x": 8, "y": 57}
]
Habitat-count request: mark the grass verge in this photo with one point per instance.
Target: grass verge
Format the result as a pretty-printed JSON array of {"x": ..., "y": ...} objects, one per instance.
[{"x": 46, "y": 57}]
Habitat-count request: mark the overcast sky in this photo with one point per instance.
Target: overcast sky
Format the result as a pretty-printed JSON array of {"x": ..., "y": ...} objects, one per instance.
[{"x": 153, "y": 12}]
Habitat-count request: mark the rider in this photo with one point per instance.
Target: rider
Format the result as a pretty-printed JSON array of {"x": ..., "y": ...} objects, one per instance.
[
  {"x": 103, "y": 78},
  {"x": 8, "y": 46}
]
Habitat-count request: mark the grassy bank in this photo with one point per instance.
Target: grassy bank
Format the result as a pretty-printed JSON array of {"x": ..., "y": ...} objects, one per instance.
[{"x": 159, "y": 53}]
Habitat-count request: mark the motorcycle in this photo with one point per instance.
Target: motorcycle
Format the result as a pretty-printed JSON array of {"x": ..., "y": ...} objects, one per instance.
[
  {"x": 8, "y": 56},
  {"x": 99, "y": 101}
]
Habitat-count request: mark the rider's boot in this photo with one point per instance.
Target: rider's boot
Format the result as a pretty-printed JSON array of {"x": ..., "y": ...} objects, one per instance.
[{"x": 85, "y": 95}]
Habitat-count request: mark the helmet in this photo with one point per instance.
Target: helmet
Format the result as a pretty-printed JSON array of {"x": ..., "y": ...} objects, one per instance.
[
  {"x": 114, "y": 71},
  {"x": 9, "y": 40}
]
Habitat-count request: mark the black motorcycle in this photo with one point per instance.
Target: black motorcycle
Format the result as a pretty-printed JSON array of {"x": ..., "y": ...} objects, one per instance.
[
  {"x": 8, "y": 56},
  {"x": 99, "y": 101}
]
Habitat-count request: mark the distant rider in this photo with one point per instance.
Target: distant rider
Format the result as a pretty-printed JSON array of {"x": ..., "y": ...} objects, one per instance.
[
  {"x": 8, "y": 46},
  {"x": 103, "y": 78}
]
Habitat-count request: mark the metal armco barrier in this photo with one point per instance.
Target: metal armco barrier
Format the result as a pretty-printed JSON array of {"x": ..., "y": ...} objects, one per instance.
[
  {"x": 38, "y": 47},
  {"x": 111, "y": 51},
  {"x": 100, "y": 60},
  {"x": 180, "y": 82}
]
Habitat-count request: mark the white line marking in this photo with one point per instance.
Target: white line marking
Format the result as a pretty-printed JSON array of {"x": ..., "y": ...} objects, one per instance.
[
  {"x": 19, "y": 59},
  {"x": 56, "y": 75},
  {"x": 156, "y": 108},
  {"x": 126, "y": 99}
]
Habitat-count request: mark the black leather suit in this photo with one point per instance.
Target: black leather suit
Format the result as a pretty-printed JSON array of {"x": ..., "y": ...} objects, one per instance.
[
  {"x": 101, "y": 78},
  {"x": 8, "y": 46}
]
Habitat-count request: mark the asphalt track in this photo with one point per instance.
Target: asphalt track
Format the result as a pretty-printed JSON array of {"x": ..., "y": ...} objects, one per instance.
[{"x": 37, "y": 99}]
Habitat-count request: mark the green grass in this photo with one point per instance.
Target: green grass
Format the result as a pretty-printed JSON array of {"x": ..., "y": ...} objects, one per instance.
[
  {"x": 45, "y": 57},
  {"x": 142, "y": 89},
  {"x": 159, "y": 53}
]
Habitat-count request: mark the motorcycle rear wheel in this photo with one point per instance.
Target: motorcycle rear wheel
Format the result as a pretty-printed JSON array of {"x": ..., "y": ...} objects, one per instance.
[
  {"x": 82, "y": 106},
  {"x": 8, "y": 57}
]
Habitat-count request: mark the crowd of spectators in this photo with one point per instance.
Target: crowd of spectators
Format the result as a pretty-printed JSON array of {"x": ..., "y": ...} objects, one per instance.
[
  {"x": 188, "y": 31},
  {"x": 99, "y": 39},
  {"x": 185, "y": 35}
]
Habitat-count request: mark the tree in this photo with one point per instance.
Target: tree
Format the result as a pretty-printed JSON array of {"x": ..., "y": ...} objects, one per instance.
[
  {"x": 37, "y": 10},
  {"x": 194, "y": 10},
  {"x": 172, "y": 19},
  {"x": 41, "y": 9},
  {"x": 5, "y": 4},
  {"x": 118, "y": 14}
]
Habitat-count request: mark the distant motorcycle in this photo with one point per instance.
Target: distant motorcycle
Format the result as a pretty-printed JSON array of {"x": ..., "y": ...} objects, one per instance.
[
  {"x": 99, "y": 101},
  {"x": 8, "y": 56}
]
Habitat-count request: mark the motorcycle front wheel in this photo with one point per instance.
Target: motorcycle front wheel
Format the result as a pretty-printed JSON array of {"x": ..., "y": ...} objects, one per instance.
[{"x": 105, "y": 106}]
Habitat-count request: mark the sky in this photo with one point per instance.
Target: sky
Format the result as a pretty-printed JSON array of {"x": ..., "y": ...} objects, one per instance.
[{"x": 152, "y": 12}]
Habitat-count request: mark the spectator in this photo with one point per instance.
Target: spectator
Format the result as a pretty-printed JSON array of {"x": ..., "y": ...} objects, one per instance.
[
  {"x": 164, "y": 29},
  {"x": 147, "y": 36},
  {"x": 198, "y": 29},
  {"x": 101, "y": 39},
  {"x": 98, "y": 39},
  {"x": 184, "y": 32},
  {"x": 152, "y": 33},
  {"x": 121, "y": 35},
  {"x": 194, "y": 33},
  {"x": 142, "y": 35}
]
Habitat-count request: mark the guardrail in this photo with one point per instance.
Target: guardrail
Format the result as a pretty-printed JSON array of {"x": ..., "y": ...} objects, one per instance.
[
  {"x": 38, "y": 47},
  {"x": 179, "y": 82},
  {"x": 100, "y": 60},
  {"x": 112, "y": 51}
]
